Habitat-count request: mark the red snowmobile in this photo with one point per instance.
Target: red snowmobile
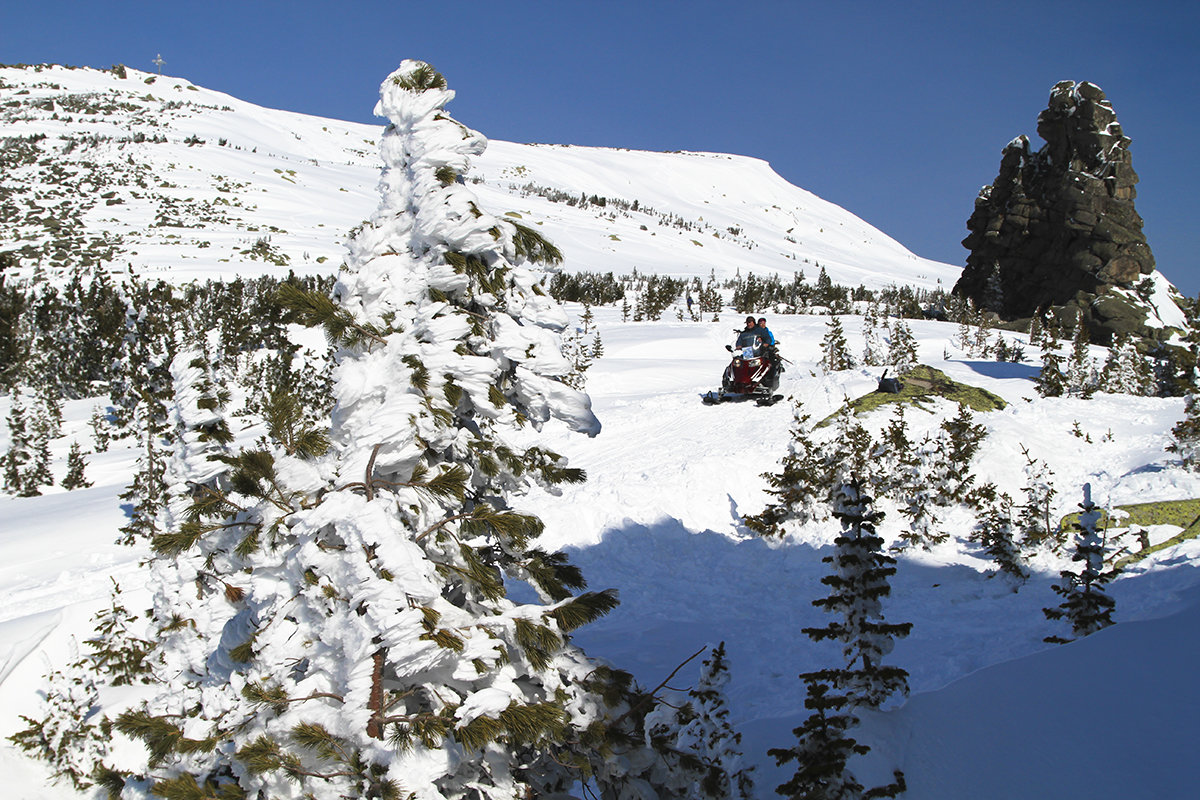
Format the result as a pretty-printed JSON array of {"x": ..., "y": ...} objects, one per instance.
[{"x": 752, "y": 374}]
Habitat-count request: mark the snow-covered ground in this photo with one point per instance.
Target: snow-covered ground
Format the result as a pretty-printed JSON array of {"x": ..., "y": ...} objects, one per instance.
[{"x": 995, "y": 712}]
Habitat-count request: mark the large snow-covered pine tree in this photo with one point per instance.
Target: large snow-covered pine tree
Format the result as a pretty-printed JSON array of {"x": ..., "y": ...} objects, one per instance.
[{"x": 338, "y": 625}]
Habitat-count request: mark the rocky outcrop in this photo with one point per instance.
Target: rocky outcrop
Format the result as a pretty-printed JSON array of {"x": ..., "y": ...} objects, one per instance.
[{"x": 1057, "y": 228}]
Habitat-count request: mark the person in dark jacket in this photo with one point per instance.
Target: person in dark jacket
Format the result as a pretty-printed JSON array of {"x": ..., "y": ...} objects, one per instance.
[{"x": 750, "y": 335}]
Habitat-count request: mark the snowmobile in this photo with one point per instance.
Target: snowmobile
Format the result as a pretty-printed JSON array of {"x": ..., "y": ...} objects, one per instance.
[{"x": 751, "y": 375}]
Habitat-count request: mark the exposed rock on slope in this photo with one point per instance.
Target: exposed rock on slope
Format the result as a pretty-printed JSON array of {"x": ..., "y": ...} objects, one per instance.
[{"x": 1058, "y": 227}]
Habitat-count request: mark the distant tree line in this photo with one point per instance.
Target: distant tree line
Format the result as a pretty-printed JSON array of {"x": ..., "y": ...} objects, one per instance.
[
  {"x": 91, "y": 336},
  {"x": 746, "y": 295},
  {"x": 73, "y": 335}
]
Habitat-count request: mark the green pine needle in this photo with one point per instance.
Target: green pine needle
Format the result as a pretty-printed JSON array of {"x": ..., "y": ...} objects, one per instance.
[
  {"x": 112, "y": 781},
  {"x": 538, "y": 642},
  {"x": 533, "y": 246},
  {"x": 554, "y": 574},
  {"x": 316, "y": 738},
  {"x": 420, "y": 375},
  {"x": 260, "y": 756},
  {"x": 314, "y": 309},
  {"x": 173, "y": 543},
  {"x": 447, "y": 484},
  {"x": 585, "y": 608},
  {"x": 479, "y": 732},
  {"x": 526, "y": 724},
  {"x": 274, "y": 695},
  {"x": 244, "y": 652},
  {"x": 422, "y": 78}
]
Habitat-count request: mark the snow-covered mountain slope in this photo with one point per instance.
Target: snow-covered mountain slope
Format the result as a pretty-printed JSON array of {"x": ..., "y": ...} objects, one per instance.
[{"x": 183, "y": 182}]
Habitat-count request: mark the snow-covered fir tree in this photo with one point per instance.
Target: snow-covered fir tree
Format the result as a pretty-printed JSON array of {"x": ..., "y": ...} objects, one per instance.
[
  {"x": 140, "y": 376},
  {"x": 823, "y": 750},
  {"x": 49, "y": 420},
  {"x": 858, "y": 584},
  {"x": 76, "y": 464},
  {"x": 1080, "y": 378},
  {"x": 994, "y": 530},
  {"x": 1185, "y": 435},
  {"x": 702, "y": 733},
  {"x": 1036, "y": 331},
  {"x": 835, "y": 352},
  {"x": 962, "y": 337},
  {"x": 873, "y": 354},
  {"x": 146, "y": 493},
  {"x": 920, "y": 493},
  {"x": 980, "y": 344},
  {"x": 69, "y": 736},
  {"x": 27, "y": 461},
  {"x": 139, "y": 393},
  {"x": 894, "y": 457},
  {"x": 337, "y": 624},
  {"x": 1126, "y": 371},
  {"x": 902, "y": 348},
  {"x": 1051, "y": 381},
  {"x": 801, "y": 488},
  {"x": 579, "y": 356},
  {"x": 72, "y": 735},
  {"x": 1000, "y": 349},
  {"x": 1033, "y": 515},
  {"x": 849, "y": 453},
  {"x": 101, "y": 431},
  {"x": 709, "y": 298},
  {"x": 45, "y": 420},
  {"x": 20, "y": 450},
  {"x": 959, "y": 440},
  {"x": 1086, "y": 605},
  {"x": 936, "y": 476},
  {"x": 117, "y": 652},
  {"x": 200, "y": 437}
]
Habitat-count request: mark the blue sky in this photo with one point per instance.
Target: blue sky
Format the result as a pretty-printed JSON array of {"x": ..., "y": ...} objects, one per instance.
[{"x": 896, "y": 111}]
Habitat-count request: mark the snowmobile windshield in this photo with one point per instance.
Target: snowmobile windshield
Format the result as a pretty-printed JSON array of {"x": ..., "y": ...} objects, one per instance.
[{"x": 747, "y": 339}]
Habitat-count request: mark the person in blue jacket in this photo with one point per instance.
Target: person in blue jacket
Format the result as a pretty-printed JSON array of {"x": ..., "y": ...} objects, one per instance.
[
  {"x": 765, "y": 332},
  {"x": 768, "y": 339}
]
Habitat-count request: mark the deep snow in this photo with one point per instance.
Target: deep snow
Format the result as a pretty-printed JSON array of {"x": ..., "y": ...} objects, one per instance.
[{"x": 994, "y": 709}]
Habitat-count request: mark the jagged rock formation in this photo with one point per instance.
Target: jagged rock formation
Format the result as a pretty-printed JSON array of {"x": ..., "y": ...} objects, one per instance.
[{"x": 1057, "y": 228}]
